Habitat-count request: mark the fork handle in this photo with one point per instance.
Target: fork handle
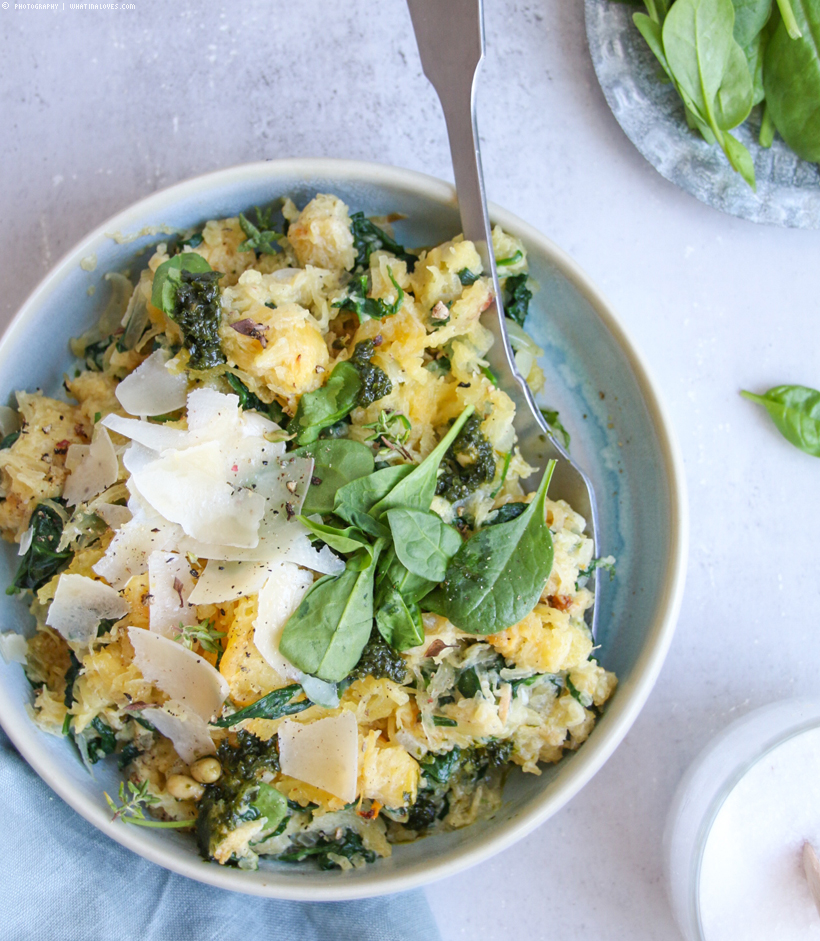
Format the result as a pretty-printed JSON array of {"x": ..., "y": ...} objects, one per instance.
[{"x": 450, "y": 36}]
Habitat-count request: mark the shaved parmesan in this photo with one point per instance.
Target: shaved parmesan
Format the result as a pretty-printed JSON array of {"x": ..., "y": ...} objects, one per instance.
[
  {"x": 128, "y": 552},
  {"x": 188, "y": 731},
  {"x": 25, "y": 541},
  {"x": 179, "y": 672},
  {"x": 278, "y": 599},
  {"x": 170, "y": 584},
  {"x": 151, "y": 389},
  {"x": 13, "y": 647},
  {"x": 148, "y": 434},
  {"x": 96, "y": 469},
  {"x": 79, "y": 604},
  {"x": 9, "y": 420},
  {"x": 225, "y": 581},
  {"x": 320, "y": 691},
  {"x": 192, "y": 487},
  {"x": 113, "y": 514},
  {"x": 324, "y": 753}
]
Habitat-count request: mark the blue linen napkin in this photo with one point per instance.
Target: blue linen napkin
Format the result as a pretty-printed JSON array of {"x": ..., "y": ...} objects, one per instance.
[{"x": 62, "y": 878}]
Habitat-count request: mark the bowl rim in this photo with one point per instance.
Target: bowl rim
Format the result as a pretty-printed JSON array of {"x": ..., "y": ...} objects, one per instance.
[{"x": 632, "y": 693}]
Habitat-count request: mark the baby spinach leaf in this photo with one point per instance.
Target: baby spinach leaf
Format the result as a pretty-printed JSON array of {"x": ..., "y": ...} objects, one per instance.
[
  {"x": 273, "y": 706},
  {"x": 791, "y": 78},
  {"x": 496, "y": 577},
  {"x": 168, "y": 278},
  {"x": 336, "y": 462},
  {"x": 355, "y": 500},
  {"x": 399, "y": 621},
  {"x": 345, "y": 540},
  {"x": 424, "y": 543},
  {"x": 796, "y": 412},
  {"x": 325, "y": 406},
  {"x": 329, "y": 630},
  {"x": 750, "y": 18},
  {"x": 393, "y": 573},
  {"x": 417, "y": 489}
]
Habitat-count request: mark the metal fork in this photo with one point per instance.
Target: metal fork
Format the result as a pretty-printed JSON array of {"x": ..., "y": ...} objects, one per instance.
[{"x": 450, "y": 37}]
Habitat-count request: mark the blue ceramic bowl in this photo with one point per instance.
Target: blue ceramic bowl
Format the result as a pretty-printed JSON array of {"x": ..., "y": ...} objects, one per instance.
[{"x": 622, "y": 439}]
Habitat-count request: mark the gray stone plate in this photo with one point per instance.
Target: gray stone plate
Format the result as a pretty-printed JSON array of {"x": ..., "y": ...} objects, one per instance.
[{"x": 651, "y": 114}]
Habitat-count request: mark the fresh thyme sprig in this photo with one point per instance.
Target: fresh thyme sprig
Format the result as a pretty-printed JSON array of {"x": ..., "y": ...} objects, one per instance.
[
  {"x": 202, "y": 634},
  {"x": 392, "y": 429},
  {"x": 130, "y": 808}
]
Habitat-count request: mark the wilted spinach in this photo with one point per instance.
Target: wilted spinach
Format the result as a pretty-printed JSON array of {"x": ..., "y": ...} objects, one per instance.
[
  {"x": 42, "y": 561},
  {"x": 517, "y": 297},
  {"x": 247, "y": 400},
  {"x": 326, "y": 406},
  {"x": 273, "y": 706},
  {"x": 368, "y": 238}
]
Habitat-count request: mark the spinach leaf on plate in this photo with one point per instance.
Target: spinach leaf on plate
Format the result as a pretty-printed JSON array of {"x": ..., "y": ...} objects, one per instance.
[
  {"x": 328, "y": 631},
  {"x": 325, "y": 406},
  {"x": 796, "y": 412},
  {"x": 423, "y": 542},
  {"x": 496, "y": 577},
  {"x": 336, "y": 462}
]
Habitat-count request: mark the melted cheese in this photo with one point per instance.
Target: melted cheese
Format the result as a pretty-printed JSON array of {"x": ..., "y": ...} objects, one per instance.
[
  {"x": 79, "y": 604},
  {"x": 324, "y": 753},
  {"x": 179, "y": 672}
]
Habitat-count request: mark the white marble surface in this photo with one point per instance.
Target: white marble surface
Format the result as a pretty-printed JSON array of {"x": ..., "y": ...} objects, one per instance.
[{"x": 101, "y": 108}]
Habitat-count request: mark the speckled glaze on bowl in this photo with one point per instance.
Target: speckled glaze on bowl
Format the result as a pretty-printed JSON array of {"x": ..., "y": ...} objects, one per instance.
[{"x": 622, "y": 438}]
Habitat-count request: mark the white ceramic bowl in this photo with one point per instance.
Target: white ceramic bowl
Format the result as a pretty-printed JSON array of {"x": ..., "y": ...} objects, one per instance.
[{"x": 621, "y": 438}]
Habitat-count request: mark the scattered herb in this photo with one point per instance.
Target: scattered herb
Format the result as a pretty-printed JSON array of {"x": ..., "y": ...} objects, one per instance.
[
  {"x": 358, "y": 301},
  {"x": 130, "y": 809},
  {"x": 204, "y": 634},
  {"x": 512, "y": 260},
  {"x": 392, "y": 432},
  {"x": 468, "y": 277},
  {"x": 445, "y": 721},
  {"x": 260, "y": 238}
]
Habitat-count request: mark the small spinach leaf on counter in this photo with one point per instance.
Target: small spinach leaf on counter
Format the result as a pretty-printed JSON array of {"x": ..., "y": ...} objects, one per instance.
[
  {"x": 328, "y": 631},
  {"x": 368, "y": 238},
  {"x": 273, "y": 706},
  {"x": 517, "y": 297},
  {"x": 336, "y": 462},
  {"x": 418, "y": 488},
  {"x": 326, "y": 406},
  {"x": 41, "y": 561},
  {"x": 796, "y": 412},
  {"x": 249, "y": 401},
  {"x": 423, "y": 542},
  {"x": 496, "y": 577}
]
